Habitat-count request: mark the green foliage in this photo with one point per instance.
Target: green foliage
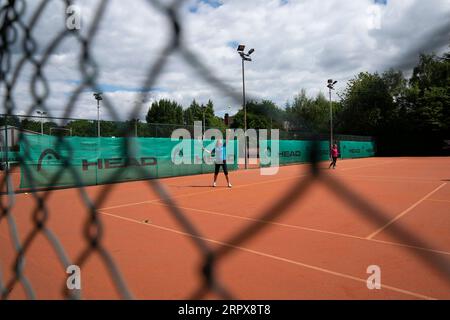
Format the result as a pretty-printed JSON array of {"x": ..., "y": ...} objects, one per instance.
[
  {"x": 396, "y": 83},
  {"x": 165, "y": 111},
  {"x": 31, "y": 125},
  {"x": 310, "y": 114},
  {"x": 367, "y": 105},
  {"x": 407, "y": 115},
  {"x": 196, "y": 112},
  {"x": 11, "y": 121},
  {"x": 83, "y": 128},
  {"x": 402, "y": 113},
  {"x": 260, "y": 115}
]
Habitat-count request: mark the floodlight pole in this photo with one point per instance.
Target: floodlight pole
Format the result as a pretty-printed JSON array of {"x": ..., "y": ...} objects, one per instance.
[
  {"x": 330, "y": 86},
  {"x": 331, "y": 120},
  {"x": 204, "y": 123},
  {"x": 98, "y": 97},
  {"x": 42, "y": 113},
  {"x": 244, "y": 57},
  {"x": 245, "y": 112},
  {"x": 98, "y": 118}
]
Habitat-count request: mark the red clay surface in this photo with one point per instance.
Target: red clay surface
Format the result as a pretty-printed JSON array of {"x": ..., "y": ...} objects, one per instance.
[{"x": 320, "y": 248}]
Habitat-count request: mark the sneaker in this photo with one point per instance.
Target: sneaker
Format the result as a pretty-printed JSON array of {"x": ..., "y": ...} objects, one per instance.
[
  {"x": 229, "y": 185},
  {"x": 214, "y": 184}
]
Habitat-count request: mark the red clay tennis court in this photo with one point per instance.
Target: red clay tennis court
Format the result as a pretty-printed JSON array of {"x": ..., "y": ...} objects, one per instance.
[{"x": 318, "y": 248}]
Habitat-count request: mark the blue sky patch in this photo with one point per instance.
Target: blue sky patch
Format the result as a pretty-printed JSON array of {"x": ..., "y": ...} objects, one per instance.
[
  {"x": 211, "y": 3},
  {"x": 382, "y": 2},
  {"x": 105, "y": 87},
  {"x": 233, "y": 44}
]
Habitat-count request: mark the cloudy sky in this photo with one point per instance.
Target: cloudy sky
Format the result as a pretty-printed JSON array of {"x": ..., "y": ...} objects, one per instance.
[{"x": 298, "y": 44}]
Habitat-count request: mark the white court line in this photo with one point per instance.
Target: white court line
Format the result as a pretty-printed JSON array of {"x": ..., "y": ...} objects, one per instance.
[
  {"x": 234, "y": 187},
  {"x": 339, "y": 234},
  {"x": 308, "y": 266},
  {"x": 204, "y": 192},
  {"x": 390, "y": 178},
  {"x": 373, "y": 234},
  {"x": 158, "y": 202}
]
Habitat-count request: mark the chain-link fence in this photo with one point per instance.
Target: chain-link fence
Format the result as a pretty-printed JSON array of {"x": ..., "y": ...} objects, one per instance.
[
  {"x": 57, "y": 126},
  {"x": 17, "y": 36},
  {"x": 92, "y": 128}
]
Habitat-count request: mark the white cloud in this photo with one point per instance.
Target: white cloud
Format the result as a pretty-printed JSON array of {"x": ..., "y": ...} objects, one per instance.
[{"x": 298, "y": 45}]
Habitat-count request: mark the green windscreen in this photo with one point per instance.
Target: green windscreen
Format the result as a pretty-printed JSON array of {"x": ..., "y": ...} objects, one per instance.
[
  {"x": 292, "y": 151},
  {"x": 48, "y": 161},
  {"x": 74, "y": 161},
  {"x": 298, "y": 151},
  {"x": 357, "y": 149},
  {"x": 10, "y": 156}
]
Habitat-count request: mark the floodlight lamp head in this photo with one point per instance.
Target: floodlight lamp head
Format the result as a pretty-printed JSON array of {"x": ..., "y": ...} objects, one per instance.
[
  {"x": 241, "y": 48},
  {"x": 251, "y": 51},
  {"x": 98, "y": 96},
  {"x": 330, "y": 81}
]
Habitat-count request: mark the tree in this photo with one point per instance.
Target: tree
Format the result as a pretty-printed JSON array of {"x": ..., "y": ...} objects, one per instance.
[
  {"x": 31, "y": 125},
  {"x": 367, "y": 105},
  {"x": 165, "y": 111},
  {"x": 83, "y": 128},
  {"x": 209, "y": 114},
  {"x": 407, "y": 116},
  {"x": 310, "y": 115},
  {"x": 212, "y": 121},
  {"x": 112, "y": 129},
  {"x": 264, "y": 114},
  {"x": 431, "y": 71},
  {"x": 11, "y": 121},
  {"x": 193, "y": 113},
  {"x": 395, "y": 82}
]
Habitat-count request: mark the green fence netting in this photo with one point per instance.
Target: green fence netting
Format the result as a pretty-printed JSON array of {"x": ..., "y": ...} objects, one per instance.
[
  {"x": 298, "y": 151},
  {"x": 292, "y": 151},
  {"x": 10, "y": 156},
  {"x": 357, "y": 149},
  {"x": 48, "y": 161}
]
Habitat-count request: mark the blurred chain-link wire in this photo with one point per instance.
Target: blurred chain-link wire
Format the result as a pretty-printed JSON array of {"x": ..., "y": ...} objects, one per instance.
[{"x": 17, "y": 34}]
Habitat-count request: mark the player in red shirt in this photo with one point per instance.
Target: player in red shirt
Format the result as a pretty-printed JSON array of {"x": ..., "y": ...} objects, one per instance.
[{"x": 334, "y": 156}]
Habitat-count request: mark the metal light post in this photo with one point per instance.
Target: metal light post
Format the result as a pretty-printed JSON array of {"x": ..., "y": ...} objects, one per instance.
[
  {"x": 42, "y": 114},
  {"x": 204, "y": 123},
  {"x": 244, "y": 57},
  {"x": 98, "y": 97},
  {"x": 330, "y": 86}
]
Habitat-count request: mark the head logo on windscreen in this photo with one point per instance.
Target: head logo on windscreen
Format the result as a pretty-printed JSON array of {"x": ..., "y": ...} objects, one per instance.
[{"x": 113, "y": 163}]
